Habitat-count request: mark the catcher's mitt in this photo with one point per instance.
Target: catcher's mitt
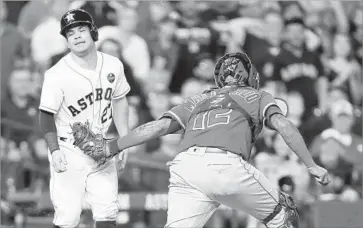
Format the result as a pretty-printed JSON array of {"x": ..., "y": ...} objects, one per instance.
[{"x": 96, "y": 146}]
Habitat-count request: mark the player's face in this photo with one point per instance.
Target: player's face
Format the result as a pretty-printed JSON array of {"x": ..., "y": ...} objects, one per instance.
[
  {"x": 294, "y": 33},
  {"x": 79, "y": 39}
]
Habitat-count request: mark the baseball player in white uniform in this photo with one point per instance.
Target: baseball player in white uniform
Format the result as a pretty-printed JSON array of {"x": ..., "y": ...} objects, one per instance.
[{"x": 84, "y": 86}]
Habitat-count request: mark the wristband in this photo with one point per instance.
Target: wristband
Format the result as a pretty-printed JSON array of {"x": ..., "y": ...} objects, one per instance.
[{"x": 51, "y": 139}]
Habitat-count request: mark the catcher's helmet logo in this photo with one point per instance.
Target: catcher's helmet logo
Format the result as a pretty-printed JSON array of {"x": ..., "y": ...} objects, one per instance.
[
  {"x": 231, "y": 64},
  {"x": 111, "y": 77},
  {"x": 69, "y": 17}
]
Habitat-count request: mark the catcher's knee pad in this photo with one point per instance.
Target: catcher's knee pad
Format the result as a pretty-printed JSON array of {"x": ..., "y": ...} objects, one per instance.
[{"x": 287, "y": 209}]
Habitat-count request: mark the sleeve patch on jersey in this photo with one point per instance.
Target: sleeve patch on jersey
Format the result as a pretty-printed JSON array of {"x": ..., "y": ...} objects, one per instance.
[
  {"x": 48, "y": 109},
  {"x": 177, "y": 118},
  {"x": 266, "y": 107},
  {"x": 282, "y": 104}
]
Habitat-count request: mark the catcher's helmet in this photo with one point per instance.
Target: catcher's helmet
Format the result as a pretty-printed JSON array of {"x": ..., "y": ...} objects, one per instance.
[
  {"x": 238, "y": 66},
  {"x": 77, "y": 17}
]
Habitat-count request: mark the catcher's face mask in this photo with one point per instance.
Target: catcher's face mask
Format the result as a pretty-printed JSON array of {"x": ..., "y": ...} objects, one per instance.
[{"x": 236, "y": 68}]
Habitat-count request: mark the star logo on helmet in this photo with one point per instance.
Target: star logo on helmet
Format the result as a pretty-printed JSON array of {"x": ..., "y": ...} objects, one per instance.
[{"x": 69, "y": 17}]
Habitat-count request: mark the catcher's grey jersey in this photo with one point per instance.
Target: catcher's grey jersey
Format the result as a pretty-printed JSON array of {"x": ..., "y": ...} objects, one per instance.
[{"x": 75, "y": 94}]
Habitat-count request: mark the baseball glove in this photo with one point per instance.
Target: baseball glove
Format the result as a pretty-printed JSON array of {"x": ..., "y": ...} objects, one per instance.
[{"x": 93, "y": 145}]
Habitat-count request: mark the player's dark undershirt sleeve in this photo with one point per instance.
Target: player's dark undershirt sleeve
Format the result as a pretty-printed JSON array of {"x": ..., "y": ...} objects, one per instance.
[{"x": 48, "y": 129}]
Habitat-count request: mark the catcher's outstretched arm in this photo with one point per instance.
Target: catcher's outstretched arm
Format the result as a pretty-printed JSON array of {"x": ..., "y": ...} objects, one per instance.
[
  {"x": 146, "y": 132},
  {"x": 292, "y": 137}
]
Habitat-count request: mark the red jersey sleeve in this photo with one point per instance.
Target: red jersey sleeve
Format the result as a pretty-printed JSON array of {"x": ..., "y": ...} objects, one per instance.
[
  {"x": 268, "y": 107},
  {"x": 179, "y": 114}
]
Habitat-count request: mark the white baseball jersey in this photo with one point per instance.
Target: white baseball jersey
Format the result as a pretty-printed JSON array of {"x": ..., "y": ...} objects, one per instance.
[{"x": 75, "y": 94}]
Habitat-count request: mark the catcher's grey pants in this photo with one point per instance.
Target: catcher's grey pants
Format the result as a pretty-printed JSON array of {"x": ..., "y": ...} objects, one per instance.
[
  {"x": 83, "y": 185},
  {"x": 200, "y": 181}
]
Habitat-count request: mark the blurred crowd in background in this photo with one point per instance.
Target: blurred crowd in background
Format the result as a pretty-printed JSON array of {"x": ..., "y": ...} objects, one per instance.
[{"x": 307, "y": 52}]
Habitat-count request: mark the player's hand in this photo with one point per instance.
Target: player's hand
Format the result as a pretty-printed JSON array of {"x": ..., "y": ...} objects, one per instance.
[
  {"x": 121, "y": 160},
  {"x": 320, "y": 174},
  {"x": 59, "y": 161}
]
